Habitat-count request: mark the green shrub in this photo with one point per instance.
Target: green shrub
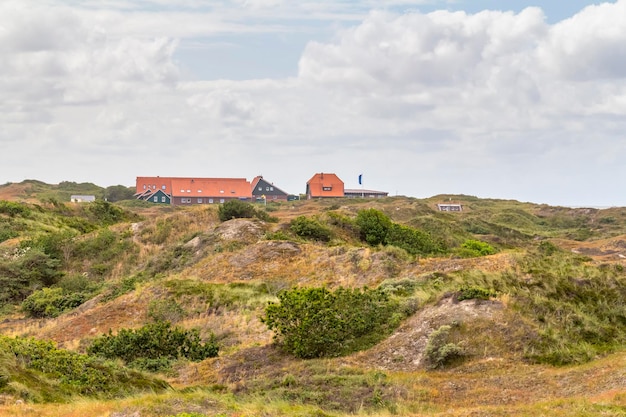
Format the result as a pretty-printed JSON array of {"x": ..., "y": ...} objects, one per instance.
[
  {"x": 475, "y": 293},
  {"x": 439, "y": 350},
  {"x": 71, "y": 373},
  {"x": 373, "y": 225},
  {"x": 26, "y": 270},
  {"x": 153, "y": 341},
  {"x": 13, "y": 209},
  {"x": 236, "y": 209},
  {"x": 106, "y": 213},
  {"x": 315, "y": 322},
  {"x": 475, "y": 248},
  {"x": 277, "y": 235},
  {"x": 51, "y": 302},
  {"x": 412, "y": 240},
  {"x": 310, "y": 229}
]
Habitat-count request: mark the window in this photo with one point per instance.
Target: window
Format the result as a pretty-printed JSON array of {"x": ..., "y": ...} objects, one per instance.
[
  {"x": 182, "y": 191},
  {"x": 267, "y": 188},
  {"x": 210, "y": 201},
  {"x": 199, "y": 201},
  {"x": 271, "y": 188},
  {"x": 221, "y": 191},
  {"x": 327, "y": 188},
  {"x": 163, "y": 199},
  {"x": 156, "y": 199},
  {"x": 188, "y": 191},
  {"x": 154, "y": 187},
  {"x": 185, "y": 200},
  {"x": 199, "y": 191},
  {"x": 221, "y": 200},
  {"x": 163, "y": 187},
  {"x": 260, "y": 188},
  {"x": 144, "y": 186}
]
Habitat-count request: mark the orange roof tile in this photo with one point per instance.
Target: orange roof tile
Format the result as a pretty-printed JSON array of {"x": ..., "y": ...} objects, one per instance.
[
  {"x": 211, "y": 187},
  {"x": 325, "y": 185}
]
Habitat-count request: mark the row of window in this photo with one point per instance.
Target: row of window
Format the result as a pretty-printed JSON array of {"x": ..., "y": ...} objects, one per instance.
[
  {"x": 200, "y": 200},
  {"x": 145, "y": 187},
  {"x": 266, "y": 188},
  {"x": 221, "y": 191}
]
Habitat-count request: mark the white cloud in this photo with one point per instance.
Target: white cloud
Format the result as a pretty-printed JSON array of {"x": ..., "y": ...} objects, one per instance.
[{"x": 493, "y": 103}]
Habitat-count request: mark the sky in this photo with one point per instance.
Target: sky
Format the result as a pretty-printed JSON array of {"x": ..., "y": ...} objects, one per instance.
[{"x": 515, "y": 100}]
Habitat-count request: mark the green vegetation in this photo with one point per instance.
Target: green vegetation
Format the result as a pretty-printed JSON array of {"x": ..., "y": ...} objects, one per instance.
[
  {"x": 317, "y": 322},
  {"x": 376, "y": 228},
  {"x": 51, "y": 302},
  {"x": 37, "y": 371},
  {"x": 550, "y": 294},
  {"x": 473, "y": 248},
  {"x": 310, "y": 229},
  {"x": 237, "y": 209},
  {"x": 153, "y": 346},
  {"x": 440, "y": 351}
]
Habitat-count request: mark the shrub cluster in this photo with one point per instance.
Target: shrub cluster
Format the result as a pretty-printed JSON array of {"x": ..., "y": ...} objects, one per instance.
[
  {"x": 73, "y": 373},
  {"x": 310, "y": 229},
  {"x": 378, "y": 229},
  {"x": 440, "y": 351},
  {"x": 475, "y": 248},
  {"x": 151, "y": 344},
  {"x": 51, "y": 302},
  {"x": 237, "y": 209},
  {"x": 317, "y": 322},
  {"x": 24, "y": 270}
]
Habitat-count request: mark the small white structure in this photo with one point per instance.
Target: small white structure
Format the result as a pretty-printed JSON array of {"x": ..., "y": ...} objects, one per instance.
[
  {"x": 77, "y": 198},
  {"x": 450, "y": 207}
]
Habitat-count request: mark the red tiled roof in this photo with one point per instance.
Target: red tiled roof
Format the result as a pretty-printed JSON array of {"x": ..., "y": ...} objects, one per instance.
[
  {"x": 211, "y": 187},
  {"x": 325, "y": 185}
]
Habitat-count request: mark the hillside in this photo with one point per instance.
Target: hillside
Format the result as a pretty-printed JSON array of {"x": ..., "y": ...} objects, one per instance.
[{"x": 535, "y": 321}]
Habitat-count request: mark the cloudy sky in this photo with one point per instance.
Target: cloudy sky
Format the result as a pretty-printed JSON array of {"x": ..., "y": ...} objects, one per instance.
[{"x": 515, "y": 100}]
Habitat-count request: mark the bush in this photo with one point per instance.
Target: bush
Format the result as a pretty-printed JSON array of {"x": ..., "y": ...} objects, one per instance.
[
  {"x": 51, "y": 302},
  {"x": 13, "y": 209},
  {"x": 373, "y": 225},
  {"x": 412, "y": 240},
  {"x": 236, "y": 209},
  {"x": 107, "y": 213},
  {"x": 475, "y": 248},
  {"x": 475, "y": 293},
  {"x": 315, "y": 322},
  {"x": 72, "y": 373},
  {"x": 25, "y": 271},
  {"x": 153, "y": 341},
  {"x": 439, "y": 350},
  {"x": 310, "y": 229}
]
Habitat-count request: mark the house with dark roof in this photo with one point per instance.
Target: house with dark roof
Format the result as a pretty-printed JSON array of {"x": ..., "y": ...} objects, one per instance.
[
  {"x": 324, "y": 185},
  {"x": 160, "y": 197},
  {"x": 265, "y": 190}
]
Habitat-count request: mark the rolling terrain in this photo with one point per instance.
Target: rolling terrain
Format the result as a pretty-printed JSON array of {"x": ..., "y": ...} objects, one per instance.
[{"x": 538, "y": 322}]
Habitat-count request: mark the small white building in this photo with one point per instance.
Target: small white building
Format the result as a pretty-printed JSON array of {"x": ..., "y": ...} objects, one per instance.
[
  {"x": 77, "y": 198},
  {"x": 450, "y": 207}
]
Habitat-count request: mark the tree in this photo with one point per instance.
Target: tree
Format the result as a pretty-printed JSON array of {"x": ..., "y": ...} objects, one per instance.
[{"x": 118, "y": 192}]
